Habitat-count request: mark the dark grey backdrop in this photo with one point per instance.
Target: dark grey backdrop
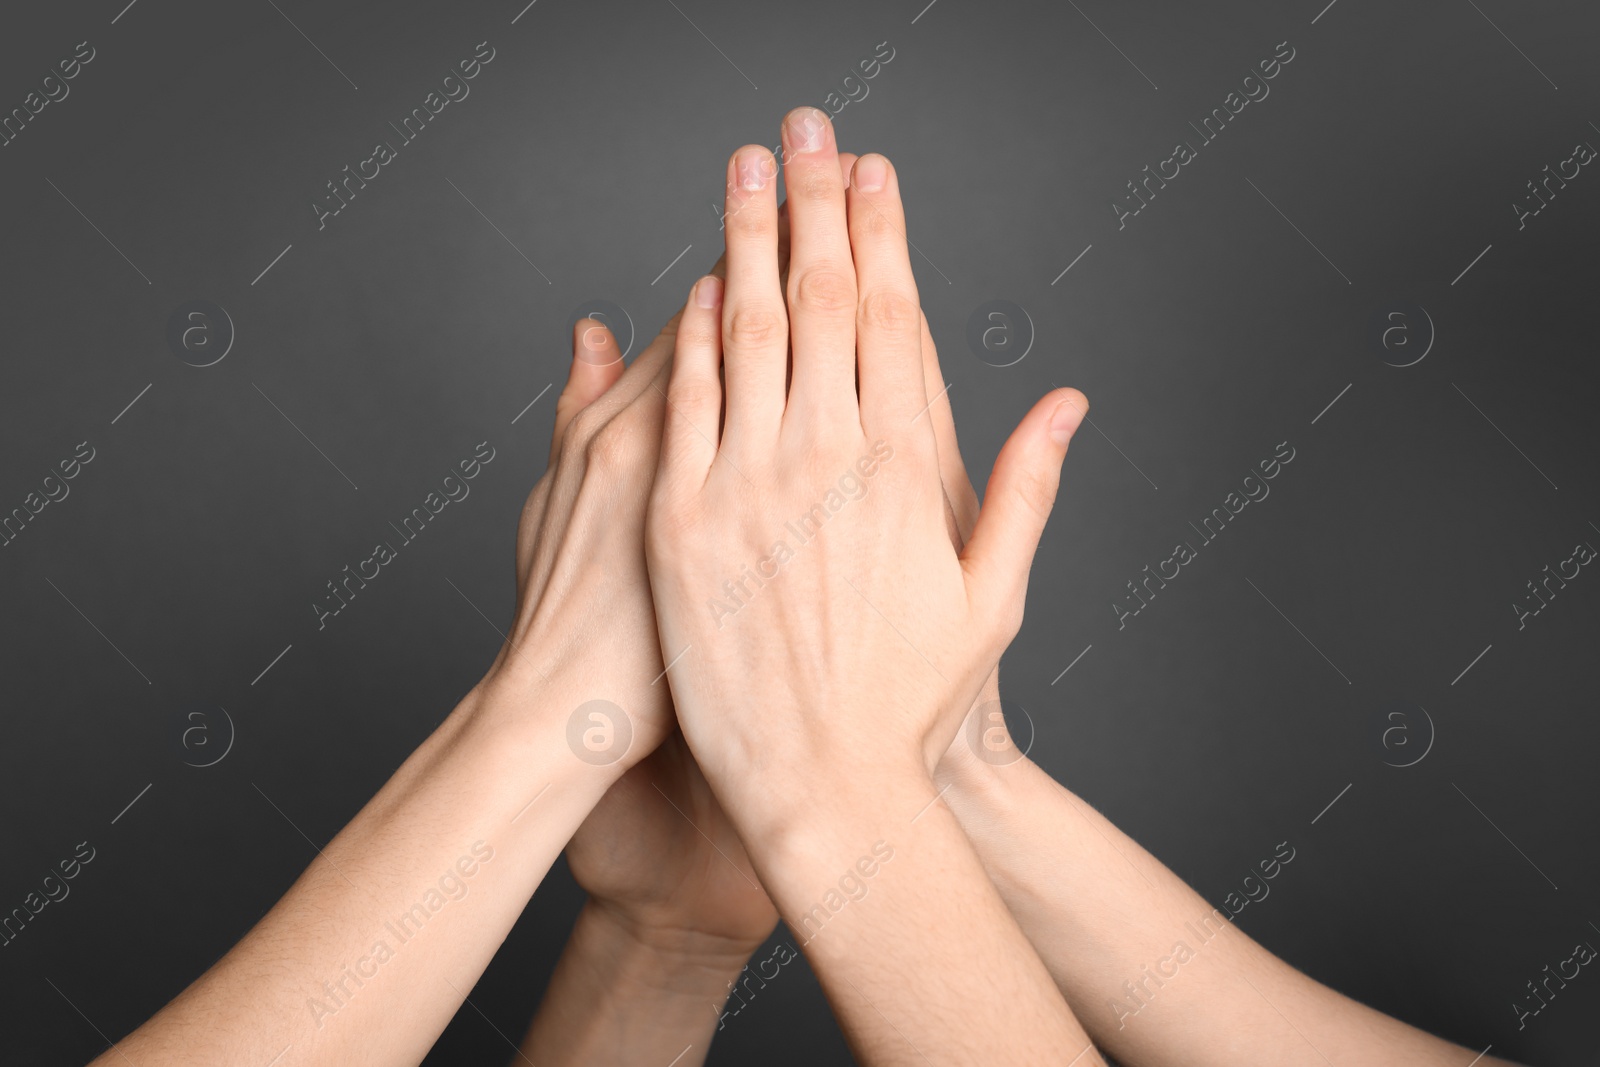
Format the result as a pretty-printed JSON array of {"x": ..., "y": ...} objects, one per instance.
[{"x": 1259, "y": 687}]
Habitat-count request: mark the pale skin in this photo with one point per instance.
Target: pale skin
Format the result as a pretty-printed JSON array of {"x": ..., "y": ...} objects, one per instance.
[
  {"x": 489, "y": 800},
  {"x": 463, "y": 833},
  {"x": 1101, "y": 911},
  {"x": 839, "y": 760},
  {"x": 818, "y": 711}
]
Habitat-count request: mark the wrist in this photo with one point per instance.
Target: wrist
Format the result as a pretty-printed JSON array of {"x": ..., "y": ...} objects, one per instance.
[
  {"x": 657, "y": 962},
  {"x": 510, "y": 748},
  {"x": 961, "y": 773},
  {"x": 786, "y": 797},
  {"x": 513, "y": 712},
  {"x": 844, "y": 825}
]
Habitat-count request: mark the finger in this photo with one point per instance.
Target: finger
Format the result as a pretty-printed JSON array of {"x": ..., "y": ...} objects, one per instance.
[
  {"x": 694, "y": 391},
  {"x": 847, "y": 161},
  {"x": 961, "y": 501},
  {"x": 822, "y": 283},
  {"x": 596, "y": 365},
  {"x": 1017, "y": 503},
  {"x": 888, "y": 316},
  {"x": 755, "y": 326}
]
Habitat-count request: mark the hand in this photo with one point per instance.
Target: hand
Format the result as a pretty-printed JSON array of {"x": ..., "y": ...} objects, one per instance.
[
  {"x": 674, "y": 908},
  {"x": 800, "y": 554},
  {"x": 657, "y": 855},
  {"x": 831, "y": 636},
  {"x": 584, "y": 629},
  {"x": 660, "y": 858}
]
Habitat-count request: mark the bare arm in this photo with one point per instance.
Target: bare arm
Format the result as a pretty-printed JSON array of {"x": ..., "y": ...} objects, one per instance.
[
  {"x": 1158, "y": 975},
  {"x": 373, "y": 949}
]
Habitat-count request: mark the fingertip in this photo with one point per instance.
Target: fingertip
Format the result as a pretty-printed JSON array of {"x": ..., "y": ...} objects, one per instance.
[
  {"x": 871, "y": 173},
  {"x": 594, "y": 344},
  {"x": 806, "y": 129},
  {"x": 1068, "y": 408},
  {"x": 596, "y": 366},
  {"x": 751, "y": 168},
  {"x": 694, "y": 388},
  {"x": 707, "y": 292}
]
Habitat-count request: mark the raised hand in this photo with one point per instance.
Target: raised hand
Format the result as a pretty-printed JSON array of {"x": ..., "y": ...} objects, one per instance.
[
  {"x": 799, "y": 552},
  {"x": 827, "y": 638}
]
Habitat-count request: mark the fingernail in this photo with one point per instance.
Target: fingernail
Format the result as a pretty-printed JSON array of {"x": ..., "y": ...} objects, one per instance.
[
  {"x": 596, "y": 346},
  {"x": 1064, "y": 422},
  {"x": 805, "y": 126},
  {"x": 708, "y": 293},
  {"x": 752, "y": 169},
  {"x": 871, "y": 173}
]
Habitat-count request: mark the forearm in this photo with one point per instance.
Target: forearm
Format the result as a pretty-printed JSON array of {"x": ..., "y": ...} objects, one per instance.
[
  {"x": 913, "y": 946},
  {"x": 372, "y": 950},
  {"x": 622, "y": 996},
  {"x": 1157, "y": 975}
]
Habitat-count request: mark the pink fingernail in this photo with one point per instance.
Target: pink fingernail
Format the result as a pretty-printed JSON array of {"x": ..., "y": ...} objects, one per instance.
[
  {"x": 708, "y": 293},
  {"x": 1064, "y": 421},
  {"x": 752, "y": 169},
  {"x": 871, "y": 173},
  {"x": 806, "y": 127}
]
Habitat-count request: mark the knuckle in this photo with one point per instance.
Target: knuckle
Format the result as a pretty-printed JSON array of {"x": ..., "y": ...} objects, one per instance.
[
  {"x": 749, "y": 216},
  {"x": 693, "y": 395},
  {"x": 814, "y": 185},
  {"x": 584, "y": 425},
  {"x": 698, "y": 331},
  {"x": 754, "y": 327},
  {"x": 825, "y": 289},
  {"x": 611, "y": 448},
  {"x": 889, "y": 310},
  {"x": 874, "y": 224},
  {"x": 824, "y": 460}
]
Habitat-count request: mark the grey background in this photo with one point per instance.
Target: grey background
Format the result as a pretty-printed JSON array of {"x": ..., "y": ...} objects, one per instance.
[{"x": 1206, "y": 331}]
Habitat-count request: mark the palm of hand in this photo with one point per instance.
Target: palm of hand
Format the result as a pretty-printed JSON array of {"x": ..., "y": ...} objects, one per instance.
[{"x": 658, "y": 850}]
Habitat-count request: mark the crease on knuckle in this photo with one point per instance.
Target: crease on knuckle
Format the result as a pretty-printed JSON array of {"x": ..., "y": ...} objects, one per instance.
[
  {"x": 890, "y": 311},
  {"x": 825, "y": 289},
  {"x": 750, "y": 218},
  {"x": 814, "y": 185},
  {"x": 699, "y": 332},
  {"x": 754, "y": 327},
  {"x": 873, "y": 224},
  {"x": 691, "y": 397}
]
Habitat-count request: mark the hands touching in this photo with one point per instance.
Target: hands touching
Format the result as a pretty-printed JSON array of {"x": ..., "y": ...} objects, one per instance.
[
  {"x": 490, "y": 799},
  {"x": 658, "y": 856},
  {"x": 756, "y": 556},
  {"x": 831, "y": 613},
  {"x": 798, "y": 542},
  {"x": 826, "y": 637}
]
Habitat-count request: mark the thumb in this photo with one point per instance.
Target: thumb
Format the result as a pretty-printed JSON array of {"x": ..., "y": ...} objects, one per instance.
[
  {"x": 1017, "y": 503},
  {"x": 596, "y": 366}
]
